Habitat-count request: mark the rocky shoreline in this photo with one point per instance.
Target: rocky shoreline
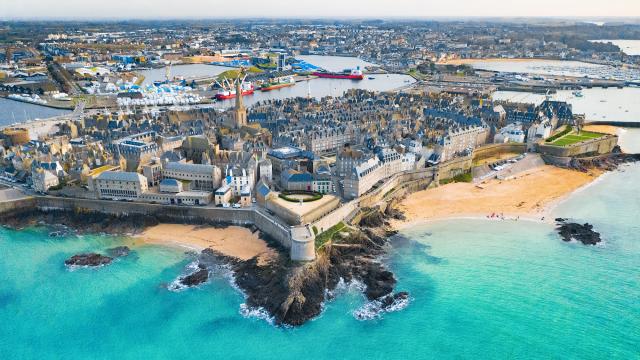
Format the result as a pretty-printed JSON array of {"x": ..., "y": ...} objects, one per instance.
[
  {"x": 293, "y": 293},
  {"x": 608, "y": 162},
  {"x": 290, "y": 292}
]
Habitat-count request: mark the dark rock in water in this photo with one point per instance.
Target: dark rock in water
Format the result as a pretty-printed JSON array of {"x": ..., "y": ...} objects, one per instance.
[
  {"x": 119, "y": 251},
  {"x": 388, "y": 300},
  {"x": 195, "y": 278},
  {"x": 583, "y": 233},
  {"x": 379, "y": 281},
  {"x": 560, "y": 219},
  {"x": 91, "y": 259}
]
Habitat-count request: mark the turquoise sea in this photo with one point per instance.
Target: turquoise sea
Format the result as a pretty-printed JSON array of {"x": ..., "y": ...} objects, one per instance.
[{"x": 479, "y": 290}]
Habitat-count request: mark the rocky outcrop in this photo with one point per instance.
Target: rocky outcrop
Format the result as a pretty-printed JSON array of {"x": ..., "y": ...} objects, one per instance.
[
  {"x": 89, "y": 260},
  {"x": 573, "y": 231},
  {"x": 372, "y": 218},
  {"x": 393, "y": 212},
  {"x": 196, "y": 278},
  {"x": 294, "y": 293},
  {"x": 81, "y": 222},
  {"x": 608, "y": 162},
  {"x": 119, "y": 251}
]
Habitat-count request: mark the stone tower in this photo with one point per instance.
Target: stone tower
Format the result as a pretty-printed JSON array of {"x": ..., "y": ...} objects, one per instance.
[{"x": 240, "y": 112}]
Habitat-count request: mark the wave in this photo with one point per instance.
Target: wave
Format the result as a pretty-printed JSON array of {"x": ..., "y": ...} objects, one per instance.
[
  {"x": 256, "y": 312},
  {"x": 78, "y": 267},
  {"x": 375, "y": 309},
  {"x": 345, "y": 287}
]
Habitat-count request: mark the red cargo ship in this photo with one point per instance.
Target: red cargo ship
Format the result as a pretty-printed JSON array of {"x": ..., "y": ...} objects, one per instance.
[{"x": 230, "y": 93}]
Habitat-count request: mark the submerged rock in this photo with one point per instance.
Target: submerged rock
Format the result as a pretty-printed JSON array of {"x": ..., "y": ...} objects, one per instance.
[
  {"x": 91, "y": 259},
  {"x": 583, "y": 233},
  {"x": 119, "y": 251},
  {"x": 390, "y": 300},
  {"x": 376, "y": 308}
]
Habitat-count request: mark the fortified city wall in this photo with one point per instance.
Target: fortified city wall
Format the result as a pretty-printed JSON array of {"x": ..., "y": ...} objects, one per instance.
[
  {"x": 180, "y": 214},
  {"x": 602, "y": 145},
  {"x": 492, "y": 150}
]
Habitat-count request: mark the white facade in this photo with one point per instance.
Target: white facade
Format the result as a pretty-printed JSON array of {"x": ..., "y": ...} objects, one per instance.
[
  {"x": 538, "y": 131},
  {"x": 238, "y": 179},
  {"x": 511, "y": 133},
  {"x": 43, "y": 180},
  {"x": 118, "y": 185},
  {"x": 408, "y": 162},
  {"x": 202, "y": 177},
  {"x": 181, "y": 198}
]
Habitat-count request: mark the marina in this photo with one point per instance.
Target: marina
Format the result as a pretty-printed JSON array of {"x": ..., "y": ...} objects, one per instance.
[{"x": 558, "y": 68}]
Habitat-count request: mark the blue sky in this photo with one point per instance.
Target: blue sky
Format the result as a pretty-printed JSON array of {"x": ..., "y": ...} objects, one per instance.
[{"x": 93, "y": 9}]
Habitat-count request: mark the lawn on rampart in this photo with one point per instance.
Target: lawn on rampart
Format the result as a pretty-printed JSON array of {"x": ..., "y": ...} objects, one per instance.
[{"x": 574, "y": 137}]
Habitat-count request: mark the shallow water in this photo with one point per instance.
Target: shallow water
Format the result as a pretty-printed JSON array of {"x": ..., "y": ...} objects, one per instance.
[
  {"x": 480, "y": 289},
  {"x": 629, "y": 47}
]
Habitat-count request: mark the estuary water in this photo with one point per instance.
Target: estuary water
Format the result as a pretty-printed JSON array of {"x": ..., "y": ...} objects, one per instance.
[
  {"x": 319, "y": 88},
  {"x": 629, "y": 47},
  {"x": 12, "y": 111},
  {"x": 558, "y": 68},
  {"x": 596, "y": 104},
  {"x": 479, "y": 290},
  {"x": 188, "y": 71}
]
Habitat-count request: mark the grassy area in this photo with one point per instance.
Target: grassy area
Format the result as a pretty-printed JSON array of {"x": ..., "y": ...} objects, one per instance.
[
  {"x": 329, "y": 234},
  {"x": 575, "y": 137},
  {"x": 464, "y": 177},
  {"x": 233, "y": 73},
  {"x": 297, "y": 196}
]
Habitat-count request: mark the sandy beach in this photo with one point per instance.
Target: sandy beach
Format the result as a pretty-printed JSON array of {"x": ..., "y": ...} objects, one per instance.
[
  {"x": 605, "y": 129},
  {"x": 234, "y": 241},
  {"x": 530, "y": 194}
]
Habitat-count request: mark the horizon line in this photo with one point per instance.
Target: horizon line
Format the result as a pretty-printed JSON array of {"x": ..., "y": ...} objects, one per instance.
[{"x": 324, "y": 18}]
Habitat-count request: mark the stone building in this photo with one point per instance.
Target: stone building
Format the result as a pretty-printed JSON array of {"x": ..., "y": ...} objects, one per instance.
[{"x": 119, "y": 185}]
